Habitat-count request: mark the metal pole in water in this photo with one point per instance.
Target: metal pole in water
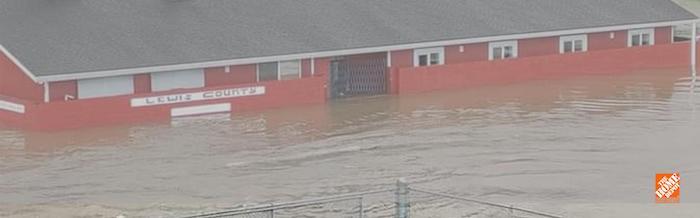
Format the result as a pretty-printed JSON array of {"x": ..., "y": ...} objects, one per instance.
[
  {"x": 362, "y": 208},
  {"x": 693, "y": 49},
  {"x": 402, "y": 204}
]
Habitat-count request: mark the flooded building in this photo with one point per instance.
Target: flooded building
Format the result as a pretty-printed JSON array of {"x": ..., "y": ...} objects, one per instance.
[{"x": 68, "y": 64}]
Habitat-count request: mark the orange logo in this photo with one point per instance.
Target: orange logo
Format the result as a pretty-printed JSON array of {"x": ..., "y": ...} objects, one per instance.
[{"x": 668, "y": 188}]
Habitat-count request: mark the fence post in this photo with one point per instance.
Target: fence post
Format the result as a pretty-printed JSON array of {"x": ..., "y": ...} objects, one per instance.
[
  {"x": 402, "y": 204},
  {"x": 362, "y": 207}
]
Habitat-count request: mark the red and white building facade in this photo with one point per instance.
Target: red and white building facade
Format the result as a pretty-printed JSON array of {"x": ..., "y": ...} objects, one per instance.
[{"x": 231, "y": 86}]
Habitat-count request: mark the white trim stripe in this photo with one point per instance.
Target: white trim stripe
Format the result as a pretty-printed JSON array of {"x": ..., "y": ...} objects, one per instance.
[
  {"x": 255, "y": 60},
  {"x": 199, "y": 110},
  {"x": 11, "y": 106}
]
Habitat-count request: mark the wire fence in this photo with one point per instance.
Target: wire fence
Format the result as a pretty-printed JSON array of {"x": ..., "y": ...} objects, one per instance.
[{"x": 400, "y": 202}]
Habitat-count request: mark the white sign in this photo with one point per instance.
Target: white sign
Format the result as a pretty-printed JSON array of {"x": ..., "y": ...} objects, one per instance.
[
  {"x": 202, "y": 109},
  {"x": 9, "y": 106},
  {"x": 198, "y": 96}
]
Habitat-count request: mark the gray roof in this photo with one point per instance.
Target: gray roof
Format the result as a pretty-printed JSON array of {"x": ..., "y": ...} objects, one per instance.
[{"x": 52, "y": 37}]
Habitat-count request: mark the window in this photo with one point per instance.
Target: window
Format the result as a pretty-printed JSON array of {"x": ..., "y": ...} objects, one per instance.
[
  {"x": 283, "y": 70},
  {"x": 105, "y": 87},
  {"x": 290, "y": 70},
  {"x": 573, "y": 44},
  {"x": 267, "y": 71},
  {"x": 641, "y": 37},
  {"x": 183, "y": 79},
  {"x": 429, "y": 56},
  {"x": 682, "y": 32},
  {"x": 503, "y": 50}
]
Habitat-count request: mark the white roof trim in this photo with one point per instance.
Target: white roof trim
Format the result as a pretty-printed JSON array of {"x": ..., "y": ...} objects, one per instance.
[
  {"x": 221, "y": 63},
  {"x": 19, "y": 64}
]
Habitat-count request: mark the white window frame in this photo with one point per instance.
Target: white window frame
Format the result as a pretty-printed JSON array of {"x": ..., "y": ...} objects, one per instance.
[
  {"x": 512, "y": 43},
  {"x": 584, "y": 43},
  {"x": 632, "y": 33},
  {"x": 428, "y": 51},
  {"x": 279, "y": 69}
]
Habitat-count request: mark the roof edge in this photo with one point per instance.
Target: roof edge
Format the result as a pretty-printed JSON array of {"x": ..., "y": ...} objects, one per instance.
[
  {"x": 19, "y": 64},
  {"x": 263, "y": 59}
]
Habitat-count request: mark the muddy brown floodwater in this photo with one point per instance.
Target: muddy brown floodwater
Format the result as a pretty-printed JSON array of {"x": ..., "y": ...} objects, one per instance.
[{"x": 586, "y": 146}]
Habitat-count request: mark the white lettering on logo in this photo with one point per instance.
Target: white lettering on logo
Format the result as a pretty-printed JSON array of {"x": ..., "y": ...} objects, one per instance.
[{"x": 198, "y": 96}]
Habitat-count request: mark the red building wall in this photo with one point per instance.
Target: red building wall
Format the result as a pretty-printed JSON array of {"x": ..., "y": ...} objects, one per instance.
[
  {"x": 402, "y": 58},
  {"x": 472, "y": 52},
  {"x": 663, "y": 35},
  {"x": 59, "y": 90},
  {"x": 305, "y": 68},
  {"x": 322, "y": 66},
  {"x": 602, "y": 40},
  {"x": 16, "y": 84},
  {"x": 538, "y": 46},
  {"x": 142, "y": 83},
  {"x": 117, "y": 110},
  {"x": 399, "y": 59},
  {"x": 239, "y": 74},
  {"x": 443, "y": 77}
]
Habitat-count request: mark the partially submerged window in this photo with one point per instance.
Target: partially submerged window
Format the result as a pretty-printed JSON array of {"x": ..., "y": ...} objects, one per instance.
[
  {"x": 429, "y": 56},
  {"x": 283, "y": 70},
  {"x": 573, "y": 44},
  {"x": 641, "y": 37},
  {"x": 267, "y": 71},
  {"x": 105, "y": 87},
  {"x": 682, "y": 33},
  {"x": 503, "y": 50},
  {"x": 182, "y": 79},
  {"x": 290, "y": 70}
]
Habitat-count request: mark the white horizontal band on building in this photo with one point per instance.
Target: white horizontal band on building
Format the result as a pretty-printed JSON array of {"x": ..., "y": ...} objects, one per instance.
[
  {"x": 11, "y": 106},
  {"x": 199, "y": 110},
  {"x": 197, "y": 96}
]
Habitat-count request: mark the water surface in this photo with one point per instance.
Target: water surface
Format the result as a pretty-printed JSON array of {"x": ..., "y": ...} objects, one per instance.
[{"x": 580, "y": 146}]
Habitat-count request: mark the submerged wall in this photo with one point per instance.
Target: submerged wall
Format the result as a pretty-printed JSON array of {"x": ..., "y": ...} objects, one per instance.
[
  {"x": 471, "y": 74},
  {"x": 119, "y": 110}
]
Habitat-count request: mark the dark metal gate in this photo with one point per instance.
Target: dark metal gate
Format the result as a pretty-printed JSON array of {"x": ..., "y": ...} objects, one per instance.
[{"x": 358, "y": 77}]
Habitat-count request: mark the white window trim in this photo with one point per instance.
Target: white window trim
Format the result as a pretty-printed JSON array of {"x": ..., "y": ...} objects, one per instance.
[
  {"x": 513, "y": 43},
  {"x": 428, "y": 51},
  {"x": 649, "y": 31},
  {"x": 583, "y": 38},
  {"x": 279, "y": 69}
]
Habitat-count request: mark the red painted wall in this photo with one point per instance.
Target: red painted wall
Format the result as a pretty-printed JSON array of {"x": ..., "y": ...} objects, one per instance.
[
  {"x": 117, "y": 110},
  {"x": 59, "y": 90},
  {"x": 472, "y": 52},
  {"x": 239, "y": 74},
  {"x": 602, "y": 40},
  {"x": 538, "y": 47},
  {"x": 424, "y": 79},
  {"x": 399, "y": 59},
  {"x": 322, "y": 66},
  {"x": 663, "y": 35},
  {"x": 402, "y": 58},
  {"x": 142, "y": 83},
  {"x": 305, "y": 68},
  {"x": 14, "y": 83}
]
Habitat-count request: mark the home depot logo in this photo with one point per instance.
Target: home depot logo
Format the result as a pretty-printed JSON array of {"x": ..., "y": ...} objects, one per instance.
[{"x": 668, "y": 188}]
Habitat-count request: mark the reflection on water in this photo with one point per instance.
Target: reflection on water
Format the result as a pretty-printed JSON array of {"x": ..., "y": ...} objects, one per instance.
[{"x": 546, "y": 144}]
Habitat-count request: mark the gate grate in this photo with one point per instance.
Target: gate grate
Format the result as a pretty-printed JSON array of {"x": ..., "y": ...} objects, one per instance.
[{"x": 350, "y": 78}]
